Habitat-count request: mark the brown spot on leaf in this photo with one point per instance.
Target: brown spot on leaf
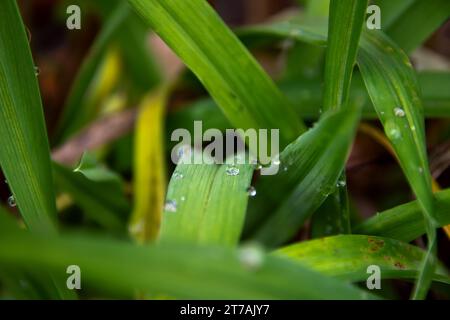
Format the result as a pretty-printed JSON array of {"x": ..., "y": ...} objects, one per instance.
[{"x": 375, "y": 244}]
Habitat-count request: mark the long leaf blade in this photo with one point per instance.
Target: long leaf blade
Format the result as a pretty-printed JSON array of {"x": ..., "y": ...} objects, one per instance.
[
  {"x": 182, "y": 271},
  {"x": 348, "y": 257},
  {"x": 25, "y": 152}
]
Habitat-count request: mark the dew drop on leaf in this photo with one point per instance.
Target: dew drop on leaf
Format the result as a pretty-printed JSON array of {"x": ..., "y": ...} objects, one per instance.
[
  {"x": 232, "y": 171},
  {"x": 341, "y": 184},
  {"x": 178, "y": 175},
  {"x": 170, "y": 206},
  {"x": 251, "y": 191},
  {"x": 12, "y": 201},
  {"x": 37, "y": 71},
  {"x": 392, "y": 131},
  {"x": 399, "y": 112}
]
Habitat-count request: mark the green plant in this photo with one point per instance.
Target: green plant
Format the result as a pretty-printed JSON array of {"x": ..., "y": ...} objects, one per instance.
[{"x": 220, "y": 230}]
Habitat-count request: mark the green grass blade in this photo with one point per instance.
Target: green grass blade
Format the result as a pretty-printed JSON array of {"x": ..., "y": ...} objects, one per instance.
[
  {"x": 25, "y": 157},
  {"x": 344, "y": 30},
  {"x": 405, "y": 222},
  {"x": 396, "y": 97},
  {"x": 393, "y": 88},
  {"x": 208, "y": 47},
  {"x": 181, "y": 271},
  {"x": 199, "y": 212},
  {"x": 348, "y": 256},
  {"x": 309, "y": 170},
  {"x": 432, "y": 15}
]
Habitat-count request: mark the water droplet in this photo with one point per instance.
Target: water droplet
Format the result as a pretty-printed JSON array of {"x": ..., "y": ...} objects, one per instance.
[
  {"x": 170, "y": 206},
  {"x": 12, "y": 201},
  {"x": 399, "y": 112},
  {"x": 392, "y": 131},
  {"x": 341, "y": 184},
  {"x": 277, "y": 162},
  {"x": 413, "y": 128},
  {"x": 251, "y": 256},
  {"x": 178, "y": 175},
  {"x": 285, "y": 169},
  {"x": 37, "y": 71},
  {"x": 183, "y": 198},
  {"x": 6, "y": 181},
  {"x": 420, "y": 170},
  {"x": 232, "y": 171},
  {"x": 251, "y": 191}
]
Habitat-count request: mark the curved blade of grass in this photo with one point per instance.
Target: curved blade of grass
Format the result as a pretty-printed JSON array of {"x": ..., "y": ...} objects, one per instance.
[
  {"x": 25, "y": 153},
  {"x": 208, "y": 203},
  {"x": 405, "y": 222},
  {"x": 208, "y": 47},
  {"x": 394, "y": 91},
  {"x": 348, "y": 256},
  {"x": 149, "y": 168},
  {"x": 310, "y": 168},
  {"x": 181, "y": 271},
  {"x": 393, "y": 88},
  {"x": 431, "y": 14}
]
